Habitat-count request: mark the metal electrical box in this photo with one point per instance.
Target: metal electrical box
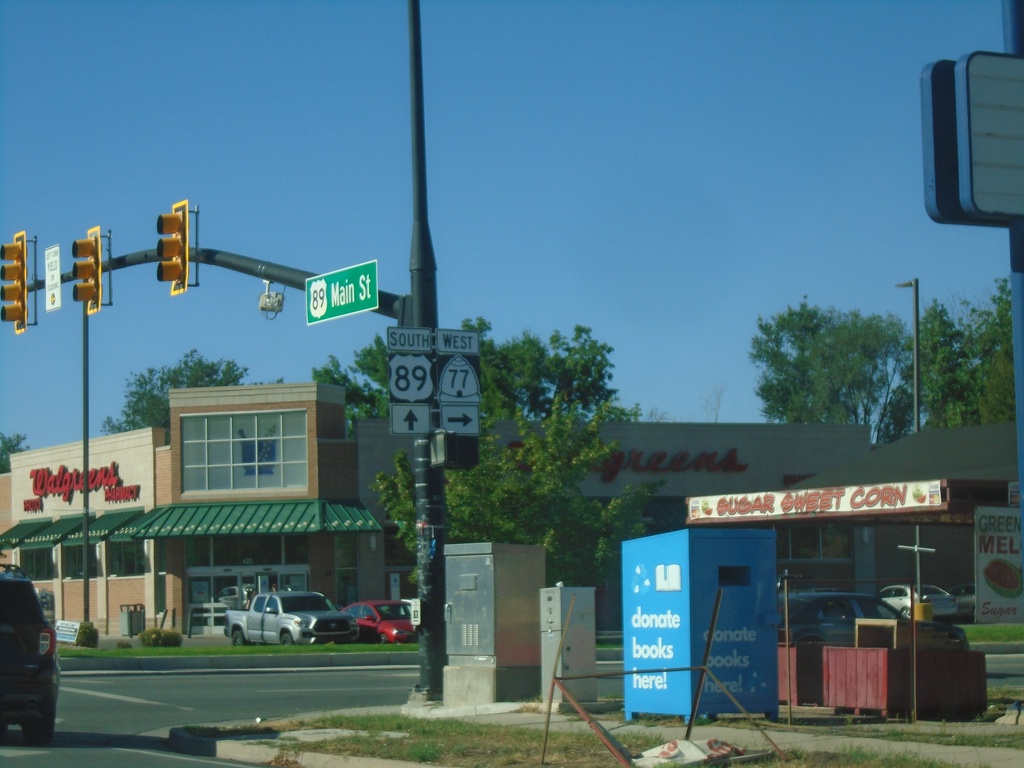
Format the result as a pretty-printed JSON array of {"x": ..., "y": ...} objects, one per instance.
[
  {"x": 493, "y": 627},
  {"x": 567, "y": 624},
  {"x": 670, "y": 583}
]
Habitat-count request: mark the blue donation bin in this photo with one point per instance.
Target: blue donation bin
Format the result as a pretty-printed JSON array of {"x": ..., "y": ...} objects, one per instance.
[{"x": 669, "y": 586}]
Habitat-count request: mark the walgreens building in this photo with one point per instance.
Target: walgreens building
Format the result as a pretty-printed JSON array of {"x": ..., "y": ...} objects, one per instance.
[{"x": 270, "y": 485}]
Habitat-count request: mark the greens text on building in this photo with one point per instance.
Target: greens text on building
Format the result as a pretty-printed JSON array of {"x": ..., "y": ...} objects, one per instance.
[{"x": 343, "y": 292}]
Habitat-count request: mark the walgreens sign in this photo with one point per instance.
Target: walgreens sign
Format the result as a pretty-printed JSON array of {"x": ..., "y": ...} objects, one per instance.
[{"x": 63, "y": 483}]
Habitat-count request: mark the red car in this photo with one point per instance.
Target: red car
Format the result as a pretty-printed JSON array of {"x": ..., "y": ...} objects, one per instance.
[{"x": 383, "y": 621}]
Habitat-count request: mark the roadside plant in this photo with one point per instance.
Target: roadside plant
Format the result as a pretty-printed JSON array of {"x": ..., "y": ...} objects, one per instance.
[
  {"x": 155, "y": 637},
  {"x": 88, "y": 636}
]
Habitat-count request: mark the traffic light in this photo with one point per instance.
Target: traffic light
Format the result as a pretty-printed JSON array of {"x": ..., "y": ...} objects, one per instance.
[
  {"x": 17, "y": 312},
  {"x": 173, "y": 251},
  {"x": 89, "y": 271}
]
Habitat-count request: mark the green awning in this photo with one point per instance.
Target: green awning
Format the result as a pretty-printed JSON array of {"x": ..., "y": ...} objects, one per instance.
[
  {"x": 105, "y": 526},
  {"x": 12, "y": 537},
  {"x": 55, "y": 533},
  {"x": 340, "y": 518},
  {"x": 252, "y": 519}
]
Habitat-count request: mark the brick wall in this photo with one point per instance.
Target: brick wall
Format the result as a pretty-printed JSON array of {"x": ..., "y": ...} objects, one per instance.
[
  {"x": 321, "y": 564},
  {"x": 6, "y": 503},
  {"x": 339, "y": 471},
  {"x": 174, "y": 563},
  {"x": 74, "y": 607},
  {"x": 162, "y": 466}
]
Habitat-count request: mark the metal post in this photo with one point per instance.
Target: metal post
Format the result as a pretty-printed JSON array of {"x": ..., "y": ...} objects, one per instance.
[
  {"x": 917, "y": 412},
  {"x": 1013, "y": 37},
  {"x": 85, "y": 461},
  {"x": 428, "y": 480}
]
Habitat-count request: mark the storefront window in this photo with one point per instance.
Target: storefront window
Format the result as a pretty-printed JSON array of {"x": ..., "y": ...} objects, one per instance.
[
  {"x": 37, "y": 563},
  {"x": 835, "y": 543},
  {"x": 198, "y": 552},
  {"x": 126, "y": 558},
  {"x": 244, "y": 451},
  {"x": 826, "y": 543},
  {"x": 296, "y": 550},
  {"x": 804, "y": 543},
  {"x": 71, "y": 562}
]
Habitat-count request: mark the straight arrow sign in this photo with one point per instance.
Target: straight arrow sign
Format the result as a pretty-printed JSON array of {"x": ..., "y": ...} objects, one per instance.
[{"x": 412, "y": 419}]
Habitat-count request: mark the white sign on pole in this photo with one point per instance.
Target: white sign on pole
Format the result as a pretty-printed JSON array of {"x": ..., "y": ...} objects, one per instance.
[
  {"x": 990, "y": 100},
  {"x": 461, "y": 419},
  {"x": 410, "y": 419},
  {"x": 410, "y": 378},
  {"x": 450, "y": 342},
  {"x": 402, "y": 339},
  {"x": 52, "y": 277}
]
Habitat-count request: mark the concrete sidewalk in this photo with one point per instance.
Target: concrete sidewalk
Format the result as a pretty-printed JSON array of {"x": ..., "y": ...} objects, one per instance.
[{"x": 265, "y": 748}]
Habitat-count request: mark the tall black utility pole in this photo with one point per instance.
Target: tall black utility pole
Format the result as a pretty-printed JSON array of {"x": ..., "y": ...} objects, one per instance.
[{"x": 429, "y": 481}]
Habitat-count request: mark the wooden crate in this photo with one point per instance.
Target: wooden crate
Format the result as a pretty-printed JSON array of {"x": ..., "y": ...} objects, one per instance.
[{"x": 881, "y": 633}]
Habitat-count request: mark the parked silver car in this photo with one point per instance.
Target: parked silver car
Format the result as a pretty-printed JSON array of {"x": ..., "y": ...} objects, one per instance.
[
  {"x": 944, "y": 605},
  {"x": 966, "y": 601}
]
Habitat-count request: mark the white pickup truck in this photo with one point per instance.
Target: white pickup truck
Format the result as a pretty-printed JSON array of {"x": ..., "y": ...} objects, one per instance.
[{"x": 284, "y": 618}]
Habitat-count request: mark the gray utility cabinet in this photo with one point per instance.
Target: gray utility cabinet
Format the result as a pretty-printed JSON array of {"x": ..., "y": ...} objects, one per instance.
[
  {"x": 568, "y": 642},
  {"x": 493, "y": 622}
]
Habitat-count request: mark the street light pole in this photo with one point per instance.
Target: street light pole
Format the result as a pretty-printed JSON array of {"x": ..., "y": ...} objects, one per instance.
[
  {"x": 917, "y": 418},
  {"x": 917, "y": 354},
  {"x": 428, "y": 480}
]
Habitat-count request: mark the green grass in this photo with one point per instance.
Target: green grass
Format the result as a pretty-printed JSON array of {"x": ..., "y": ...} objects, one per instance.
[
  {"x": 467, "y": 744},
  {"x": 994, "y": 633}
]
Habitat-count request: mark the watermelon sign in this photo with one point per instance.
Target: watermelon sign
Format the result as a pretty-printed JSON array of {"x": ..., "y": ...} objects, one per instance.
[
  {"x": 998, "y": 572},
  {"x": 1004, "y": 577}
]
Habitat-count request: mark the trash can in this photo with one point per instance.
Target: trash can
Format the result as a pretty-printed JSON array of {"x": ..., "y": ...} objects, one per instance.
[{"x": 133, "y": 619}]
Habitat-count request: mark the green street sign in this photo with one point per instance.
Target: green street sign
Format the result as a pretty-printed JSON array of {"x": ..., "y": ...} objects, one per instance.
[{"x": 344, "y": 292}]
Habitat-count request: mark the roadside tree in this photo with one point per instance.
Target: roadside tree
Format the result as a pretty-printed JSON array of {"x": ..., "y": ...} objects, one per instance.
[{"x": 147, "y": 394}]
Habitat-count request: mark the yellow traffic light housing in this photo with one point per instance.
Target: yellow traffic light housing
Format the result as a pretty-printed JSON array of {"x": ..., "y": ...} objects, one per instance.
[
  {"x": 17, "y": 292},
  {"x": 89, "y": 271},
  {"x": 173, "y": 250}
]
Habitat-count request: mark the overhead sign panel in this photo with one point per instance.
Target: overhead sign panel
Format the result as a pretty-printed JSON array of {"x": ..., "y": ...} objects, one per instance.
[
  {"x": 343, "y": 292},
  {"x": 990, "y": 113}
]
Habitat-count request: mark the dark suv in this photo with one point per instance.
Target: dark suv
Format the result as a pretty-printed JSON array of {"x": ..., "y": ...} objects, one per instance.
[{"x": 29, "y": 666}]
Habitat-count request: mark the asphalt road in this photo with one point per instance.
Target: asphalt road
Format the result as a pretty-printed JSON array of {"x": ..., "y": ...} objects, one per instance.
[
  {"x": 119, "y": 718},
  {"x": 109, "y": 719}
]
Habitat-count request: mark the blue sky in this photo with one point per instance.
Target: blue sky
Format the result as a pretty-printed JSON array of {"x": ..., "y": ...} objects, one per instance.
[{"x": 661, "y": 172}]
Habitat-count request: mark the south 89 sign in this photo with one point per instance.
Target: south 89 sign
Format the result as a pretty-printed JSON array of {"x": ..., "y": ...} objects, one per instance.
[{"x": 410, "y": 378}]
